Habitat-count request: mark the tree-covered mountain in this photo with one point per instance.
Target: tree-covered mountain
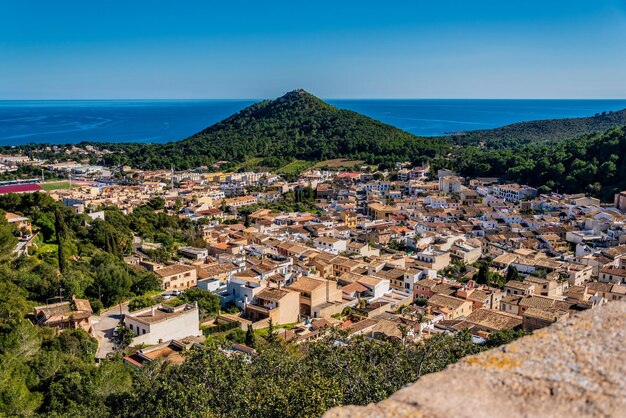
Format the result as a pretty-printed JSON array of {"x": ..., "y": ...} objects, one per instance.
[
  {"x": 550, "y": 130},
  {"x": 571, "y": 155},
  {"x": 297, "y": 125},
  {"x": 594, "y": 163}
]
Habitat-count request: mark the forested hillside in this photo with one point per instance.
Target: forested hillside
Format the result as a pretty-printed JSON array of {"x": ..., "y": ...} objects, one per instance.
[
  {"x": 540, "y": 131},
  {"x": 297, "y": 129},
  {"x": 593, "y": 163},
  {"x": 296, "y": 126}
]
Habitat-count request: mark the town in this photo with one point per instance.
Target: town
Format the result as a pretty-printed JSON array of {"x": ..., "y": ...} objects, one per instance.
[{"x": 402, "y": 254}]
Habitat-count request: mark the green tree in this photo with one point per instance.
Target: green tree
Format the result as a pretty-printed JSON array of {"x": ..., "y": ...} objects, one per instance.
[
  {"x": 250, "y": 339},
  {"x": 208, "y": 303},
  {"x": 7, "y": 239},
  {"x": 512, "y": 274},
  {"x": 271, "y": 335},
  {"x": 140, "y": 302},
  {"x": 61, "y": 236}
]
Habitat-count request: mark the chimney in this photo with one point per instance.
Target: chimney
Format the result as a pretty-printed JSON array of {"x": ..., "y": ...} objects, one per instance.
[{"x": 152, "y": 311}]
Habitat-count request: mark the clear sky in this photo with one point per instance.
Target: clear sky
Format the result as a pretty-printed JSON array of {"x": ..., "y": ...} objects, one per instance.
[{"x": 335, "y": 49}]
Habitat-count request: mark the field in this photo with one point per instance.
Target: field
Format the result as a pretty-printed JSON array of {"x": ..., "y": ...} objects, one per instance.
[
  {"x": 55, "y": 186},
  {"x": 339, "y": 163},
  {"x": 294, "y": 167}
]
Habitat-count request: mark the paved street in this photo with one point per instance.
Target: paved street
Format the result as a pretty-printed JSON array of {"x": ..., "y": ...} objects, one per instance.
[{"x": 103, "y": 326}]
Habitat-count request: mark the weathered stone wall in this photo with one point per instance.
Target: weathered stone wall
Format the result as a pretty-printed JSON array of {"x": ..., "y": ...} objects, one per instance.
[{"x": 576, "y": 368}]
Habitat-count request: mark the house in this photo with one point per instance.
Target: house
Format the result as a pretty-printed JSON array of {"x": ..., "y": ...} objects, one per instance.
[
  {"x": 237, "y": 202},
  {"x": 536, "y": 318},
  {"x": 433, "y": 259},
  {"x": 72, "y": 314},
  {"x": 613, "y": 275},
  {"x": 466, "y": 252},
  {"x": 450, "y": 184},
  {"x": 379, "y": 211},
  {"x": 362, "y": 249},
  {"x": 160, "y": 323},
  {"x": 22, "y": 224},
  {"x": 330, "y": 245},
  {"x": 489, "y": 320},
  {"x": 376, "y": 286},
  {"x": 424, "y": 288},
  {"x": 514, "y": 192},
  {"x": 481, "y": 298},
  {"x": 451, "y": 307},
  {"x": 169, "y": 351},
  {"x": 282, "y": 306},
  {"x": 515, "y": 287},
  {"x": 608, "y": 291},
  {"x": 194, "y": 253},
  {"x": 241, "y": 289},
  {"x": 317, "y": 296},
  {"x": 178, "y": 276}
]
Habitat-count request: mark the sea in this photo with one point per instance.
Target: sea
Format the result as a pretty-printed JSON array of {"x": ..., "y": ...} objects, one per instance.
[{"x": 73, "y": 121}]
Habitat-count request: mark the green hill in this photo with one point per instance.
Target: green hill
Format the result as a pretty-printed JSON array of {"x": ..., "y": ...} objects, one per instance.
[
  {"x": 549, "y": 130},
  {"x": 296, "y": 126},
  {"x": 593, "y": 163}
]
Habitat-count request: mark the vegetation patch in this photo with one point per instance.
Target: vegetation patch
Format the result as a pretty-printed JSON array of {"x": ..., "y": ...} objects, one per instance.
[
  {"x": 294, "y": 167},
  {"x": 55, "y": 186}
]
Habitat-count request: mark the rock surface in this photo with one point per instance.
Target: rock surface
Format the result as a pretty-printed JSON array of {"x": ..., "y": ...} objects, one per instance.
[{"x": 575, "y": 368}]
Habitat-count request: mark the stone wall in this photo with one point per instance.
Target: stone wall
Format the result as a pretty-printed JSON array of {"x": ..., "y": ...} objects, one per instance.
[{"x": 576, "y": 368}]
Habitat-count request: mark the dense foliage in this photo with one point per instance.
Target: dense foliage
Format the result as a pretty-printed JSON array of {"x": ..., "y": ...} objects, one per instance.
[
  {"x": 286, "y": 381},
  {"x": 595, "y": 164},
  {"x": 74, "y": 255},
  {"x": 552, "y": 130},
  {"x": 49, "y": 374},
  {"x": 297, "y": 126},
  {"x": 290, "y": 133}
]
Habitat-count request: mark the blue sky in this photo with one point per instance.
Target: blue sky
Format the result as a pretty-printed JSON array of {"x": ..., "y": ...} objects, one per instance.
[{"x": 335, "y": 49}]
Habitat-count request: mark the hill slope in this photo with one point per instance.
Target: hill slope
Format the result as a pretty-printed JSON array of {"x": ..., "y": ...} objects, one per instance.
[
  {"x": 296, "y": 126},
  {"x": 541, "y": 130},
  {"x": 594, "y": 163}
]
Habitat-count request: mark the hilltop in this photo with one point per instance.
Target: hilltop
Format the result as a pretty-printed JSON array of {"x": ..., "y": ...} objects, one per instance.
[
  {"x": 549, "y": 130},
  {"x": 296, "y": 126}
]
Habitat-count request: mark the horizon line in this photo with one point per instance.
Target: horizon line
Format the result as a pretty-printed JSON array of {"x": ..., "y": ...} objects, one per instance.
[{"x": 322, "y": 98}]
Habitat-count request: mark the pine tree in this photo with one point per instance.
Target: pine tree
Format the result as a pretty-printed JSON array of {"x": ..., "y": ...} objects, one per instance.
[
  {"x": 61, "y": 234},
  {"x": 250, "y": 341},
  {"x": 512, "y": 274},
  {"x": 271, "y": 336}
]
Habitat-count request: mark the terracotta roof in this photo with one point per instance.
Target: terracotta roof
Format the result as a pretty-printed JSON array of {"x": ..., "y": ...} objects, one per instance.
[
  {"x": 446, "y": 301},
  {"x": 272, "y": 294},
  {"x": 307, "y": 284},
  {"x": 173, "y": 269},
  {"x": 493, "y": 319}
]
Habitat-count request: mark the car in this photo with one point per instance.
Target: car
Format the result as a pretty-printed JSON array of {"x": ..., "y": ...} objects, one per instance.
[
  {"x": 167, "y": 297},
  {"x": 177, "y": 292}
]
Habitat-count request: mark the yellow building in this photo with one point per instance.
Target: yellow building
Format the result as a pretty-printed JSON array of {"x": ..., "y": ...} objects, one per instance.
[{"x": 316, "y": 295}]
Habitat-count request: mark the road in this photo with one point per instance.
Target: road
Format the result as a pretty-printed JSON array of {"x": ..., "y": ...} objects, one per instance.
[{"x": 103, "y": 326}]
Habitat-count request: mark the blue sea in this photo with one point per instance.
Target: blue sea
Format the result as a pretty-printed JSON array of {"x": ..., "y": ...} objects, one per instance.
[{"x": 72, "y": 121}]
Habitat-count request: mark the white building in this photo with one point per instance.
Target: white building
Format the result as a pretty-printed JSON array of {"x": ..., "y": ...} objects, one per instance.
[
  {"x": 330, "y": 245},
  {"x": 160, "y": 323},
  {"x": 514, "y": 192}
]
